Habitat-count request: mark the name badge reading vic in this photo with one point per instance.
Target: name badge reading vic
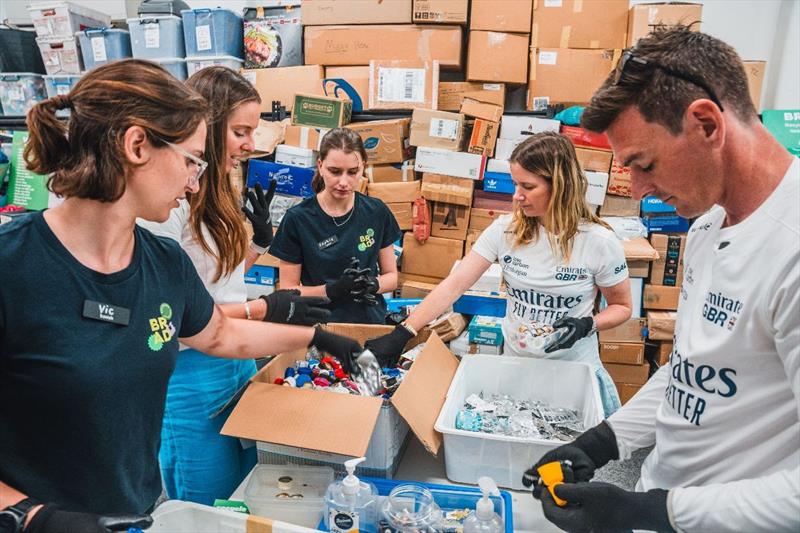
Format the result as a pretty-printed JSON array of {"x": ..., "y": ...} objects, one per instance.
[
  {"x": 327, "y": 243},
  {"x": 106, "y": 313}
]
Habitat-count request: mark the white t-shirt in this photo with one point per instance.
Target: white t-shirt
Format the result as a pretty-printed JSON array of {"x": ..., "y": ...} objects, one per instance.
[
  {"x": 726, "y": 427},
  {"x": 541, "y": 288}
]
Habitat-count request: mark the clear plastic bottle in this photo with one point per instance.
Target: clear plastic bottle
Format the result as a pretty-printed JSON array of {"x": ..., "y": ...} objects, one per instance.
[
  {"x": 483, "y": 519},
  {"x": 351, "y": 504}
]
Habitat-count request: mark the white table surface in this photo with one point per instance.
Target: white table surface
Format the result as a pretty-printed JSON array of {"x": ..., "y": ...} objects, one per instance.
[{"x": 418, "y": 465}]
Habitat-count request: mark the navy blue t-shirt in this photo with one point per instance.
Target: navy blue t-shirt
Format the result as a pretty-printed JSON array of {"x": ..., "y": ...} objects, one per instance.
[
  {"x": 308, "y": 236},
  {"x": 83, "y": 399}
]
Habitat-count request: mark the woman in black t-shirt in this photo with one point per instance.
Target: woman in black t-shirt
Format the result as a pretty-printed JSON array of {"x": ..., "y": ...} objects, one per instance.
[{"x": 319, "y": 239}]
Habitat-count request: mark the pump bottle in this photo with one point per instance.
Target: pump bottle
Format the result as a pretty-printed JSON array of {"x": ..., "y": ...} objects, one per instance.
[
  {"x": 351, "y": 504},
  {"x": 483, "y": 519}
]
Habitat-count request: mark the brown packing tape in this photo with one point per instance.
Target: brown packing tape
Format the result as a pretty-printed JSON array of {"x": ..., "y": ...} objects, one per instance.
[
  {"x": 534, "y": 34},
  {"x": 565, "y": 31},
  {"x": 258, "y": 524}
]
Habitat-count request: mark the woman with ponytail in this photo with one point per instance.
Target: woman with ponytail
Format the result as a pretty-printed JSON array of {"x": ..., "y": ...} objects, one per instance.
[
  {"x": 555, "y": 255},
  {"x": 92, "y": 306}
]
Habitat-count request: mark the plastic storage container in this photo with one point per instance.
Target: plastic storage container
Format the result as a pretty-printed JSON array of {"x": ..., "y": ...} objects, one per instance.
[
  {"x": 470, "y": 455},
  {"x": 154, "y": 37},
  {"x": 162, "y": 7},
  {"x": 103, "y": 45},
  {"x": 175, "y": 65},
  {"x": 63, "y": 19},
  {"x": 193, "y": 64},
  {"x": 175, "y": 516},
  {"x": 60, "y": 55},
  {"x": 272, "y": 492},
  {"x": 20, "y": 91},
  {"x": 212, "y": 32},
  {"x": 60, "y": 84}
]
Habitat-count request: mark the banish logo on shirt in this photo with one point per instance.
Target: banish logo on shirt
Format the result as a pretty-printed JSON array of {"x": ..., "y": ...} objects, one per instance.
[
  {"x": 367, "y": 240},
  {"x": 161, "y": 328}
]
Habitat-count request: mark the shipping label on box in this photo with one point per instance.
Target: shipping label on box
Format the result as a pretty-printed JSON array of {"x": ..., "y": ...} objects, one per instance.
[
  {"x": 501, "y": 15},
  {"x": 320, "y": 12},
  {"x": 497, "y": 57},
  {"x": 434, "y": 258},
  {"x": 483, "y": 138},
  {"x": 668, "y": 268},
  {"x": 579, "y": 24},
  {"x": 619, "y": 206},
  {"x": 447, "y": 189},
  {"x": 348, "y": 83},
  {"x": 594, "y": 160},
  {"x": 402, "y": 214},
  {"x": 386, "y": 141},
  {"x": 661, "y": 325},
  {"x": 437, "y": 129},
  {"x": 391, "y": 173},
  {"x": 451, "y": 94},
  {"x": 394, "y": 192},
  {"x": 661, "y": 297},
  {"x": 282, "y": 83},
  {"x": 619, "y": 182},
  {"x": 449, "y": 221},
  {"x": 554, "y": 71},
  {"x": 458, "y": 164},
  {"x": 596, "y": 187},
  {"x": 294, "y": 181},
  {"x": 439, "y": 11},
  {"x": 622, "y": 353},
  {"x": 520, "y": 127},
  {"x": 403, "y": 84},
  {"x": 478, "y": 109},
  {"x": 320, "y": 111},
  {"x": 644, "y": 18},
  {"x": 480, "y": 219}
]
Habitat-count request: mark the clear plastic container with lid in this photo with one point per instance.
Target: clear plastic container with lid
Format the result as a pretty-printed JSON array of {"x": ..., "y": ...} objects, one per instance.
[
  {"x": 21, "y": 91},
  {"x": 212, "y": 32},
  {"x": 294, "y": 494},
  {"x": 154, "y": 36},
  {"x": 411, "y": 508},
  {"x": 103, "y": 45}
]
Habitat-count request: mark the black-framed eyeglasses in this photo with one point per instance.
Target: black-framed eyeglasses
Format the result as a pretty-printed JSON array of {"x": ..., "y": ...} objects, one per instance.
[{"x": 630, "y": 63}]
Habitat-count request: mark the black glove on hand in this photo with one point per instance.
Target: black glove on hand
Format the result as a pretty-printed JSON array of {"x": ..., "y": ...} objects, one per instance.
[
  {"x": 344, "y": 349},
  {"x": 604, "y": 507},
  {"x": 288, "y": 307},
  {"x": 343, "y": 287},
  {"x": 259, "y": 216},
  {"x": 388, "y": 348},
  {"x": 576, "y": 329},
  {"x": 592, "y": 450},
  {"x": 50, "y": 519},
  {"x": 365, "y": 289}
]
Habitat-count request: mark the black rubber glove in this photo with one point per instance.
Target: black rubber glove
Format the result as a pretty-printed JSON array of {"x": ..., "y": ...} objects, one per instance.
[
  {"x": 342, "y": 287},
  {"x": 342, "y": 348},
  {"x": 388, "y": 348},
  {"x": 50, "y": 519},
  {"x": 288, "y": 307},
  {"x": 259, "y": 216},
  {"x": 590, "y": 451},
  {"x": 576, "y": 329},
  {"x": 604, "y": 507},
  {"x": 365, "y": 289}
]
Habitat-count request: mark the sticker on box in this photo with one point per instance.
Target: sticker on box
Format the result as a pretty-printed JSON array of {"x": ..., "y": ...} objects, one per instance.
[
  {"x": 548, "y": 58},
  {"x": 444, "y": 128},
  {"x": 401, "y": 85}
]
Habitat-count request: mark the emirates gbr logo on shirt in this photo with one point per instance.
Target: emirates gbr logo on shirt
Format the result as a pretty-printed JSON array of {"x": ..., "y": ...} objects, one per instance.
[
  {"x": 571, "y": 273},
  {"x": 721, "y": 310}
]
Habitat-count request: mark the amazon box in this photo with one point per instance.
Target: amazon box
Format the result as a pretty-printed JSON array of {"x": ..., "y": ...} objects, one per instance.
[
  {"x": 437, "y": 129},
  {"x": 483, "y": 138},
  {"x": 403, "y": 84},
  {"x": 593, "y": 160},
  {"x": 320, "y": 12},
  {"x": 402, "y": 214},
  {"x": 282, "y": 83},
  {"x": 439, "y": 12},
  {"x": 579, "y": 24},
  {"x": 452, "y": 94},
  {"x": 661, "y": 325},
  {"x": 554, "y": 72},
  {"x": 278, "y": 418},
  {"x": 449, "y": 221},
  {"x": 407, "y": 191},
  {"x": 668, "y": 268},
  {"x": 644, "y": 18},
  {"x": 433, "y": 258},
  {"x": 386, "y": 141},
  {"x": 501, "y": 15},
  {"x": 447, "y": 189},
  {"x": 629, "y": 353},
  {"x": 661, "y": 297},
  {"x": 497, "y": 57}
]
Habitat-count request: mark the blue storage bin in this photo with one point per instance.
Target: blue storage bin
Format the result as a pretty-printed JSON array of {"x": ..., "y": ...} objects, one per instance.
[
  {"x": 156, "y": 37},
  {"x": 195, "y": 64},
  {"x": 103, "y": 45},
  {"x": 295, "y": 181},
  {"x": 212, "y": 32},
  {"x": 175, "y": 65},
  {"x": 498, "y": 182},
  {"x": 60, "y": 84},
  {"x": 474, "y": 304},
  {"x": 449, "y": 498},
  {"x": 20, "y": 91}
]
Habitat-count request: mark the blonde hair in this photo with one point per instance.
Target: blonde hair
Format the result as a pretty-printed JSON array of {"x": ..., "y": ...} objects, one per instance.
[{"x": 552, "y": 157}]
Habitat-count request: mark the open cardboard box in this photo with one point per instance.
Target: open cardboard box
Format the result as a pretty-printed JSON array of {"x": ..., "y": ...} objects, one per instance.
[{"x": 338, "y": 423}]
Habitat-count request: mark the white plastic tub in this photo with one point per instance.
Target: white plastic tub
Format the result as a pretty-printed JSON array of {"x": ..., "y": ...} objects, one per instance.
[
  {"x": 176, "y": 516},
  {"x": 267, "y": 482},
  {"x": 60, "y": 55},
  {"x": 193, "y": 64},
  {"x": 470, "y": 455},
  {"x": 63, "y": 19}
]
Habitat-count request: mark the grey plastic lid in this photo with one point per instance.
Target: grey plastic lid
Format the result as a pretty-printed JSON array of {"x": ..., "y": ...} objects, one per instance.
[{"x": 162, "y": 7}]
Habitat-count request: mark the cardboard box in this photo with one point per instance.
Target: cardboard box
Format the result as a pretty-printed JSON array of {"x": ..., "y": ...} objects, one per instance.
[
  {"x": 661, "y": 297},
  {"x": 434, "y": 258},
  {"x": 407, "y": 191},
  {"x": 439, "y": 12},
  {"x": 358, "y": 45},
  {"x": 291, "y": 180},
  {"x": 403, "y": 84},
  {"x": 519, "y": 127},
  {"x": 350, "y": 83},
  {"x": 668, "y": 268},
  {"x": 486, "y": 330},
  {"x": 554, "y": 72},
  {"x": 447, "y": 189},
  {"x": 480, "y": 219},
  {"x": 472, "y": 236},
  {"x": 483, "y": 138},
  {"x": 282, "y": 83},
  {"x": 619, "y": 206},
  {"x": 405, "y": 277},
  {"x": 321, "y": 12},
  {"x": 320, "y": 111},
  {"x": 638, "y": 269},
  {"x": 632, "y": 330},
  {"x": 644, "y": 18},
  {"x": 499, "y": 57},
  {"x": 386, "y": 141},
  {"x": 579, "y": 24},
  {"x": 311, "y": 419},
  {"x": 594, "y": 160},
  {"x": 390, "y": 173},
  {"x": 458, "y": 164},
  {"x": 661, "y": 325},
  {"x": 639, "y": 249},
  {"x": 627, "y": 391},
  {"x": 632, "y": 374},
  {"x": 619, "y": 182},
  {"x": 437, "y": 129},
  {"x": 664, "y": 351},
  {"x": 303, "y": 136},
  {"x": 755, "y": 71},
  {"x": 448, "y": 326},
  {"x": 416, "y": 289},
  {"x": 631, "y": 353},
  {"x": 449, "y": 221},
  {"x": 451, "y": 93},
  {"x": 501, "y": 15},
  {"x": 475, "y": 108},
  {"x": 402, "y": 214}
]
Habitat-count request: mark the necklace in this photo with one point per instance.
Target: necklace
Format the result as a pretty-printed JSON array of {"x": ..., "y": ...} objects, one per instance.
[{"x": 333, "y": 218}]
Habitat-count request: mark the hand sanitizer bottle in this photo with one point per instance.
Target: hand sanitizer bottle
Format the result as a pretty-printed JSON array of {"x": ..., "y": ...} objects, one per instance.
[
  {"x": 351, "y": 504},
  {"x": 483, "y": 519}
]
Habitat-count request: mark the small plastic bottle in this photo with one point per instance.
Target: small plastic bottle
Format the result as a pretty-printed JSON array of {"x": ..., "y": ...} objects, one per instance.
[
  {"x": 483, "y": 519},
  {"x": 351, "y": 504}
]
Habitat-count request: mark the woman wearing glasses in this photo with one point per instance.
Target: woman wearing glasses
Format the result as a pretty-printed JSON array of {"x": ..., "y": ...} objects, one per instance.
[
  {"x": 555, "y": 254},
  {"x": 92, "y": 306},
  {"x": 339, "y": 243}
]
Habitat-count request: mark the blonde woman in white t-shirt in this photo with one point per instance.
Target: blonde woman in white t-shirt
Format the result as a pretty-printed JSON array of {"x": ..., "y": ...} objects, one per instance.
[{"x": 555, "y": 254}]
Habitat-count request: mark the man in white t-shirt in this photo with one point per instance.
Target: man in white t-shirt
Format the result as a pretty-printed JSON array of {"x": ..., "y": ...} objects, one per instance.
[{"x": 723, "y": 414}]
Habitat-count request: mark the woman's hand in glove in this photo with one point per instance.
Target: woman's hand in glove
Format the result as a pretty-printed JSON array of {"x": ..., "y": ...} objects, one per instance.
[
  {"x": 259, "y": 216},
  {"x": 288, "y": 307}
]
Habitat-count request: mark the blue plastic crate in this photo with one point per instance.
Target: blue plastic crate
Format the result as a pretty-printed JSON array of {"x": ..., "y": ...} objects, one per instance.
[
  {"x": 103, "y": 45},
  {"x": 395, "y": 305},
  {"x": 295, "y": 181},
  {"x": 474, "y": 304},
  {"x": 157, "y": 37},
  {"x": 212, "y": 32},
  {"x": 449, "y": 498},
  {"x": 652, "y": 205},
  {"x": 498, "y": 182}
]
